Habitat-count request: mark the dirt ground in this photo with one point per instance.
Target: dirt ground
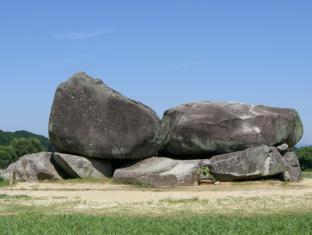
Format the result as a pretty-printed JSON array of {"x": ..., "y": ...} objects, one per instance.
[{"x": 105, "y": 197}]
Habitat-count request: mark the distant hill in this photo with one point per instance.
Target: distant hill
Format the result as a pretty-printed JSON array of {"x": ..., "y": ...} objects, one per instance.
[
  {"x": 6, "y": 138},
  {"x": 14, "y": 145}
]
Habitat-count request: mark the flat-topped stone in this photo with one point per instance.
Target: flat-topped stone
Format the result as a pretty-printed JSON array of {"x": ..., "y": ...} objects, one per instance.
[{"x": 160, "y": 172}]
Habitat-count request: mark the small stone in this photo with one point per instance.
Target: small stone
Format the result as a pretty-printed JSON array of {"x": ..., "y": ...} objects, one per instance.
[{"x": 282, "y": 148}]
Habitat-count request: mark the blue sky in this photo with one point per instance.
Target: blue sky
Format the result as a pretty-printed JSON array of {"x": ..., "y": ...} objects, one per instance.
[{"x": 162, "y": 53}]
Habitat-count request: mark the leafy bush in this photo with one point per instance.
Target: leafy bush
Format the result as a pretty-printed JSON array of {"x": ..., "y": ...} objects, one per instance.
[
  {"x": 204, "y": 171},
  {"x": 305, "y": 158}
]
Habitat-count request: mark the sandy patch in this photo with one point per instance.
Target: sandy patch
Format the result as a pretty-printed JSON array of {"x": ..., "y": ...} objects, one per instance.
[{"x": 261, "y": 196}]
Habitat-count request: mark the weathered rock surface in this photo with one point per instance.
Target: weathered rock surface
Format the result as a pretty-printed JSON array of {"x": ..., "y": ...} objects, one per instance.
[
  {"x": 252, "y": 163},
  {"x": 90, "y": 119},
  {"x": 159, "y": 172},
  {"x": 33, "y": 167},
  {"x": 292, "y": 172},
  {"x": 202, "y": 128},
  {"x": 81, "y": 167},
  {"x": 282, "y": 148}
]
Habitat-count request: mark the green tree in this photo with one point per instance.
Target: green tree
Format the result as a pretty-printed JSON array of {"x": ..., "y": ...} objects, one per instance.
[
  {"x": 7, "y": 156},
  {"x": 25, "y": 146},
  {"x": 305, "y": 158}
]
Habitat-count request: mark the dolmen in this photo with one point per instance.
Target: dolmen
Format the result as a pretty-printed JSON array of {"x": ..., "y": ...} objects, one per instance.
[{"x": 99, "y": 133}]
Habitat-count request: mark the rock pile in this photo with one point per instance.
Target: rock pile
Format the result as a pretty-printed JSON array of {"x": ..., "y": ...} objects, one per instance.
[{"x": 94, "y": 128}]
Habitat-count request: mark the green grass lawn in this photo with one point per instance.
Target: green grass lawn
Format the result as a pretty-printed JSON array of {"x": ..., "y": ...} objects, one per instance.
[
  {"x": 25, "y": 219},
  {"x": 204, "y": 224}
]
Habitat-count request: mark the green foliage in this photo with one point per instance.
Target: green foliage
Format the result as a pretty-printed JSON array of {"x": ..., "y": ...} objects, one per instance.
[
  {"x": 305, "y": 158},
  {"x": 7, "y": 137},
  {"x": 307, "y": 174},
  {"x": 30, "y": 223},
  {"x": 7, "y": 156},
  {"x": 204, "y": 171},
  {"x": 24, "y": 146},
  {"x": 14, "y": 145},
  {"x": 3, "y": 183}
]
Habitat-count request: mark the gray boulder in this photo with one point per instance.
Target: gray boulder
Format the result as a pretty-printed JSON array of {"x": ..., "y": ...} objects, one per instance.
[
  {"x": 33, "y": 167},
  {"x": 252, "y": 163},
  {"x": 81, "y": 167},
  {"x": 207, "y": 128},
  {"x": 159, "y": 172},
  {"x": 292, "y": 172},
  {"x": 90, "y": 119}
]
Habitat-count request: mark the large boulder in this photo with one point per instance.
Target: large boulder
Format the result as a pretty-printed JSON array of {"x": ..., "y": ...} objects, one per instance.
[
  {"x": 160, "y": 172},
  {"x": 33, "y": 167},
  {"x": 203, "y": 128},
  {"x": 252, "y": 163},
  {"x": 292, "y": 172},
  {"x": 81, "y": 167},
  {"x": 90, "y": 119}
]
